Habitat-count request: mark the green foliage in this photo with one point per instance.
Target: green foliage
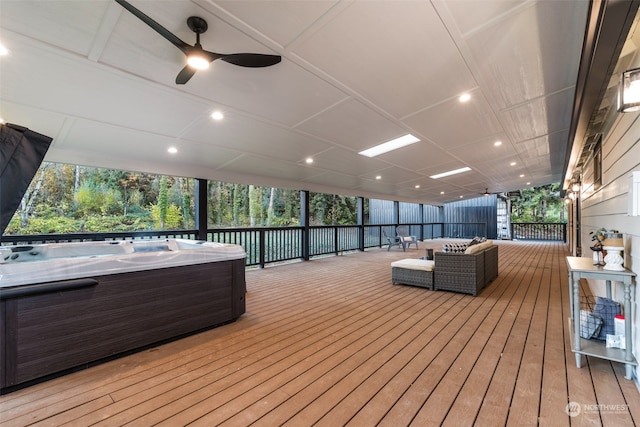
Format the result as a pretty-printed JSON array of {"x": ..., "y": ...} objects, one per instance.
[
  {"x": 172, "y": 217},
  {"x": 187, "y": 212},
  {"x": 94, "y": 199},
  {"x": 331, "y": 209},
  {"x": 161, "y": 214},
  {"x": 539, "y": 204},
  {"x": 82, "y": 199}
]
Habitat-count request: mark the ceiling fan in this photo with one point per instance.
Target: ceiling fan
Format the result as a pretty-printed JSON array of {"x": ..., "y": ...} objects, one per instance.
[{"x": 197, "y": 57}]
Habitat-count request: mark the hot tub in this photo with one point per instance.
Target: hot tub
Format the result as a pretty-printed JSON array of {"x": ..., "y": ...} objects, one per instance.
[
  {"x": 50, "y": 262},
  {"x": 68, "y": 305}
]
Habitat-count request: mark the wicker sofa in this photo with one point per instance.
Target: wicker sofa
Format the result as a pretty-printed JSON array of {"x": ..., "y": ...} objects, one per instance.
[{"x": 467, "y": 272}]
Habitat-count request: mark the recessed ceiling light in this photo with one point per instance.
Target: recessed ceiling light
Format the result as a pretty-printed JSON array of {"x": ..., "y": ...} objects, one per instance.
[
  {"x": 172, "y": 150},
  {"x": 309, "y": 160},
  {"x": 497, "y": 143},
  {"x": 378, "y": 177},
  {"x": 453, "y": 172},
  {"x": 528, "y": 183},
  {"x": 512, "y": 163},
  {"x": 461, "y": 197},
  {"x": 417, "y": 185},
  {"x": 442, "y": 192},
  {"x": 464, "y": 97},
  {"x": 217, "y": 115},
  {"x": 521, "y": 175},
  {"x": 3, "y": 50},
  {"x": 394, "y": 144}
]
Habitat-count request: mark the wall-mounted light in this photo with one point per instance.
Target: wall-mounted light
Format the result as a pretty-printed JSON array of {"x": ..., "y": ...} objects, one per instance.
[
  {"x": 575, "y": 187},
  {"x": 629, "y": 91}
]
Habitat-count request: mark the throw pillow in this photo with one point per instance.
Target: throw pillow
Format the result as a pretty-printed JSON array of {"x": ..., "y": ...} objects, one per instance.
[{"x": 454, "y": 247}]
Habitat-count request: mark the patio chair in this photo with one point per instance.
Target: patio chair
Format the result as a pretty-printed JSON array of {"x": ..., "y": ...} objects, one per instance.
[
  {"x": 407, "y": 239},
  {"x": 393, "y": 241}
]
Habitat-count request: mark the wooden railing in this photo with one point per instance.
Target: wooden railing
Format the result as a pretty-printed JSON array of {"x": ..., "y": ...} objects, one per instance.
[{"x": 556, "y": 231}]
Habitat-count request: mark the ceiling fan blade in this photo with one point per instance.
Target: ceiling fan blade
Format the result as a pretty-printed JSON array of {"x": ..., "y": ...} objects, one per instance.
[
  {"x": 251, "y": 59},
  {"x": 184, "y": 75},
  {"x": 155, "y": 26}
]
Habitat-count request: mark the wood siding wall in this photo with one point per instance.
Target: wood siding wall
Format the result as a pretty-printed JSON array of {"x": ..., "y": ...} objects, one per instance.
[{"x": 607, "y": 205}]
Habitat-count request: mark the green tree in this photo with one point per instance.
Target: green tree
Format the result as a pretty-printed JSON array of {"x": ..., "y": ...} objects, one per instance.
[
  {"x": 163, "y": 202},
  {"x": 539, "y": 204}
]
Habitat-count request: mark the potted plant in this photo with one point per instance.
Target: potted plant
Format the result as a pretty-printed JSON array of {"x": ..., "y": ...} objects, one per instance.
[{"x": 598, "y": 237}]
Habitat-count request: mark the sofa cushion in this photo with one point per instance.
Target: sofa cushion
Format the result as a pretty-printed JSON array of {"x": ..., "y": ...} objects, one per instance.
[
  {"x": 478, "y": 248},
  {"x": 414, "y": 264},
  {"x": 473, "y": 249}
]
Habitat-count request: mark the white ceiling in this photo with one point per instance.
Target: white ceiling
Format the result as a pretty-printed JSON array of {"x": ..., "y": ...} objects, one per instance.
[{"x": 353, "y": 74}]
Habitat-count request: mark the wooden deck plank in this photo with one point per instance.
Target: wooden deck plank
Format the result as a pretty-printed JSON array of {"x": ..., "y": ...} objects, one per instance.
[
  {"x": 251, "y": 367},
  {"x": 471, "y": 395},
  {"x": 332, "y": 342},
  {"x": 525, "y": 403},
  {"x": 495, "y": 408},
  {"x": 553, "y": 395},
  {"x": 351, "y": 347},
  {"x": 395, "y": 343}
]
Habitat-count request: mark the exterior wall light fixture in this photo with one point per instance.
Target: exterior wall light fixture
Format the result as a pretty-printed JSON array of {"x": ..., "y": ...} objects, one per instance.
[{"x": 629, "y": 91}]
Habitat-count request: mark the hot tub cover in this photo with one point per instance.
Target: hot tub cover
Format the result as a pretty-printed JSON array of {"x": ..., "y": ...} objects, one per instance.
[{"x": 21, "y": 153}]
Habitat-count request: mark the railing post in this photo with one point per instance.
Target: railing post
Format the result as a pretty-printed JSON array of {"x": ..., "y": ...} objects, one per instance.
[
  {"x": 360, "y": 219},
  {"x": 262, "y": 247},
  {"x": 304, "y": 221},
  {"x": 201, "y": 209}
]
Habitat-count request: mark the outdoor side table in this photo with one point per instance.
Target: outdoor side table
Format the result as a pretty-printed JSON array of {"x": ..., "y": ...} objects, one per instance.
[{"x": 583, "y": 268}]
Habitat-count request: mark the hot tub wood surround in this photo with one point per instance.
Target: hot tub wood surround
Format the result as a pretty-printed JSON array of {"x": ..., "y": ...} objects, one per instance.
[{"x": 47, "y": 329}]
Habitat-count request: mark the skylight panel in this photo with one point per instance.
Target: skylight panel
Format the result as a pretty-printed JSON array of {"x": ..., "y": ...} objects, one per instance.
[{"x": 394, "y": 144}]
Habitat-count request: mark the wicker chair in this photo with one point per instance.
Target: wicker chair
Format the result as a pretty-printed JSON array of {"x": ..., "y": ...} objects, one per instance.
[{"x": 405, "y": 237}]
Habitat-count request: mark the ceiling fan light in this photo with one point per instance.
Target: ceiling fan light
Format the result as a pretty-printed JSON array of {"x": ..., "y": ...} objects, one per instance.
[
  {"x": 629, "y": 91},
  {"x": 198, "y": 62}
]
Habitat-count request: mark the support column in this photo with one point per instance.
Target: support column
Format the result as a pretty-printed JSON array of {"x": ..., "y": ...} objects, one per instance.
[
  {"x": 304, "y": 222},
  {"x": 360, "y": 219},
  {"x": 201, "y": 209}
]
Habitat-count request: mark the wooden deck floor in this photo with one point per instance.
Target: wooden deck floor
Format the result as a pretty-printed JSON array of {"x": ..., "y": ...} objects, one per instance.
[{"x": 331, "y": 342}]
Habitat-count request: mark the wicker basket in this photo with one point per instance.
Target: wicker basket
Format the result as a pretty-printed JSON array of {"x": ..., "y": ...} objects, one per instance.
[{"x": 597, "y": 320}]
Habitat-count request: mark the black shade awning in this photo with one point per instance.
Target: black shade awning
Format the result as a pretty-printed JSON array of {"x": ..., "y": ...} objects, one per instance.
[{"x": 21, "y": 153}]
